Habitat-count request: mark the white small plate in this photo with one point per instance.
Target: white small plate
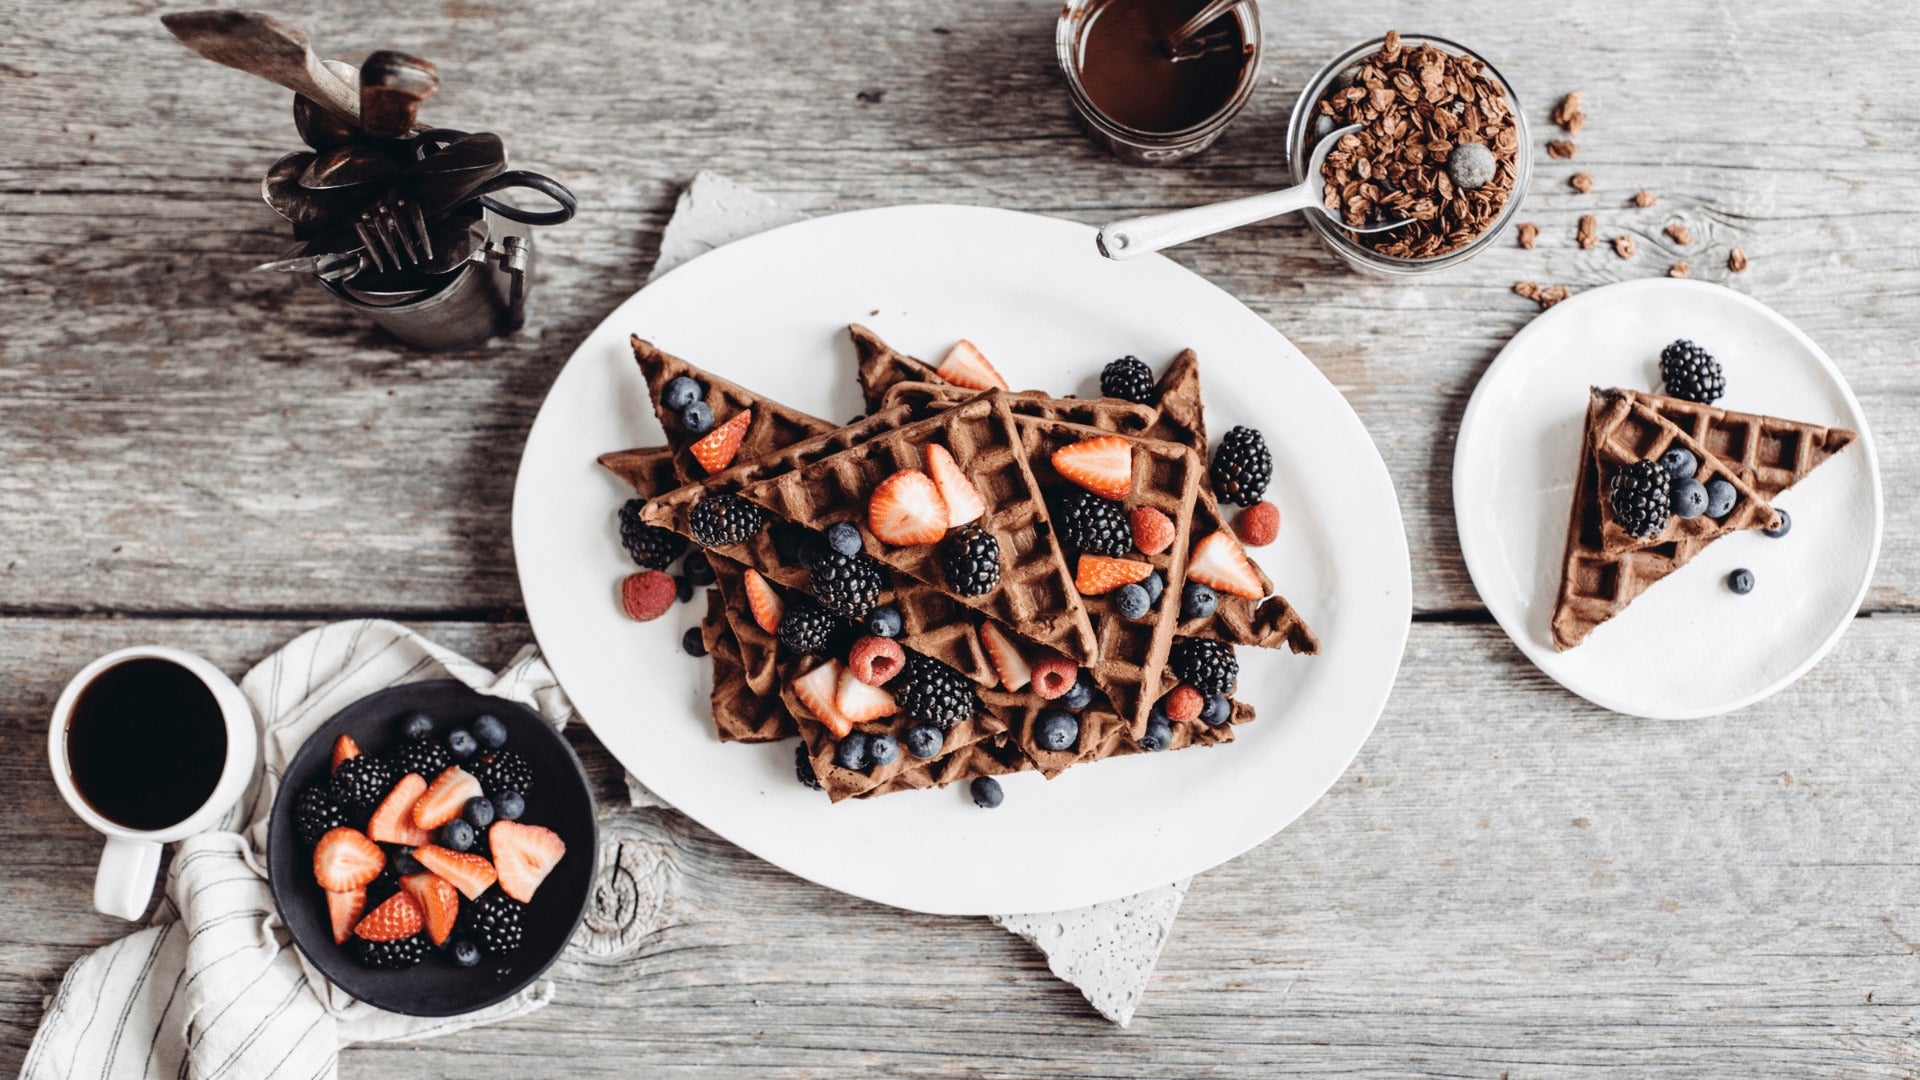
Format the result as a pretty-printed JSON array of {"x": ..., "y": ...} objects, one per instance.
[
  {"x": 770, "y": 312},
  {"x": 1687, "y": 647}
]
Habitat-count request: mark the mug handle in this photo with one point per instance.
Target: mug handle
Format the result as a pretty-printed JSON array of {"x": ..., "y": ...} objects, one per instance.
[{"x": 125, "y": 881}]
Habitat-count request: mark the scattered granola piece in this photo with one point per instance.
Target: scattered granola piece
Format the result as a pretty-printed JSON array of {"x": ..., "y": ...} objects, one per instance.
[
  {"x": 1569, "y": 115},
  {"x": 1552, "y": 295},
  {"x": 1561, "y": 148},
  {"x": 1680, "y": 233},
  {"x": 1581, "y": 182},
  {"x": 1528, "y": 289},
  {"x": 1588, "y": 234},
  {"x": 1737, "y": 260},
  {"x": 1623, "y": 246},
  {"x": 1678, "y": 269},
  {"x": 1644, "y": 198},
  {"x": 1529, "y": 232}
]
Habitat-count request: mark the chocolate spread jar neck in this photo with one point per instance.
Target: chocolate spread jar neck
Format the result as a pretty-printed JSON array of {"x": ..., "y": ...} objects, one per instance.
[{"x": 1127, "y": 72}]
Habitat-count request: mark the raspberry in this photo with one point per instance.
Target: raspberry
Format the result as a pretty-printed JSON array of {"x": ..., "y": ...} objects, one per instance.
[
  {"x": 1153, "y": 532},
  {"x": 1184, "y": 703},
  {"x": 1258, "y": 524},
  {"x": 1053, "y": 677},
  {"x": 647, "y": 596},
  {"x": 876, "y": 659}
]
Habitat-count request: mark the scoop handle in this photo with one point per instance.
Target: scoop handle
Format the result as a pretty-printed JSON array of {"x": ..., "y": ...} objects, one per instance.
[{"x": 1140, "y": 235}]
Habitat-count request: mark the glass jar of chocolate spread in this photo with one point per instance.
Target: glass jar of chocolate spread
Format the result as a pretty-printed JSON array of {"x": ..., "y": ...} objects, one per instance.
[{"x": 1134, "y": 97}]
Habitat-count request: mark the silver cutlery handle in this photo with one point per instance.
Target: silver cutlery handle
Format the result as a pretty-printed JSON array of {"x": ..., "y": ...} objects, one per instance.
[{"x": 1137, "y": 236}]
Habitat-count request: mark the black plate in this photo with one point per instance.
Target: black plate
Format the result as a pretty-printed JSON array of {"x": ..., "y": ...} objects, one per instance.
[{"x": 561, "y": 801}]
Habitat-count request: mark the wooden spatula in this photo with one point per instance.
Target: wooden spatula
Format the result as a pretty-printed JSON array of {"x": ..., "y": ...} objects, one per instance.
[{"x": 263, "y": 45}]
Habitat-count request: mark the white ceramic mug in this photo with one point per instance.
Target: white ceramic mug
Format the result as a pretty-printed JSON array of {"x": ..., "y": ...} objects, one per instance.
[{"x": 131, "y": 860}]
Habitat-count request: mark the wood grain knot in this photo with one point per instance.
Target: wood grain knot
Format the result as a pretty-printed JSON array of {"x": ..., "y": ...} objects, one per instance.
[{"x": 633, "y": 891}]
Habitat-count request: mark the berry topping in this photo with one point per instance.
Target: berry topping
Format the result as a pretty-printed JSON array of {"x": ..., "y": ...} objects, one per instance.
[
  {"x": 883, "y": 750},
  {"x": 1103, "y": 466},
  {"x": 360, "y": 783},
  {"x": 972, "y": 560},
  {"x": 392, "y": 955},
  {"x": 851, "y": 751},
  {"x": 314, "y": 812},
  {"x": 478, "y": 813},
  {"x": 1258, "y": 525},
  {"x": 502, "y": 770},
  {"x": 647, "y": 595},
  {"x": 885, "y": 621},
  {"x": 425, "y": 758},
  {"x": 1159, "y": 734},
  {"x": 1216, "y": 710},
  {"x": 933, "y": 693},
  {"x": 470, "y": 873},
  {"x": 846, "y": 585},
  {"x": 692, "y": 643},
  {"x": 716, "y": 449},
  {"x": 523, "y": 855},
  {"x": 1056, "y": 729},
  {"x": 510, "y": 805},
  {"x": 963, "y": 500},
  {"x": 1721, "y": 497},
  {"x": 392, "y": 821},
  {"x": 455, "y": 835},
  {"x": 698, "y": 568},
  {"x": 906, "y": 509},
  {"x": 344, "y": 749},
  {"x": 439, "y": 903},
  {"x": 461, "y": 744},
  {"x": 1786, "y": 525},
  {"x": 445, "y": 798},
  {"x": 806, "y": 627},
  {"x": 1153, "y": 531},
  {"x": 1680, "y": 463},
  {"x": 876, "y": 659},
  {"x": 1156, "y": 585},
  {"x": 679, "y": 393},
  {"x": 1079, "y": 695},
  {"x": 844, "y": 537},
  {"x": 1129, "y": 379},
  {"x": 1219, "y": 562},
  {"x": 1183, "y": 704},
  {"x": 1132, "y": 602},
  {"x": 803, "y": 768},
  {"x": 1242, "y": 466},
  {"x": 464, "y": 952},
  {"x": 966, "y": 366},
  {"x": 1053, "y": 677},
  {"x": 1691, "y": 373},
  {"x": 817, "y": 690},
  {"x": 1689, "y": 498},
  {"x": 1740, "y": 581},
  {"x": 925, "y": 741},
  {"x": 1197, "y": 601},
  {"x": 697, "y": 418},
  {"x": 494, "y": 923},
  {"x": 764, "y": 602},
  {"x": 860, "y": 702},
  {"x": 1205, "y": 665},
  {"x": 416, "y": 725},
  {"x": 1098, "y": 574},
  {"x": 651, "y": 546},
  {"x": 344, "y": 860},
  {"x": 724, "y": 518},
  {"x": 1641, "y": 497},
  {"x": 1005, "y": 656},
  {"x": 986, "y": 792},
  {"x": 343, "y": 911},
  {"x": 1091, "y": 523}
]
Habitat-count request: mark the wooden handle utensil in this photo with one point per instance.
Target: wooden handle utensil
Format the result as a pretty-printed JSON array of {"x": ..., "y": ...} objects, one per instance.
[{"x": 263, "y": 45}]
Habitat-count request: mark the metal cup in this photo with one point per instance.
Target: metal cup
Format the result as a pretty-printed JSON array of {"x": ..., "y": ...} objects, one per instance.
[{"x": 485, "y": 297}]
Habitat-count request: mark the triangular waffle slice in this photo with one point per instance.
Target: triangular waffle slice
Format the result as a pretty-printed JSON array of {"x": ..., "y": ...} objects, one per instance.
[
  {"x": 904, "y": 772},
  {"x": 1770, "y": 453},
  {"x": 648, "y": 470},
  {"x": 773, "y": 425},
  {"x": 1180, "y": 417},
  {"x": 740, "y": 714},
  {"x": 757, "y": 650},
  {"x": 1626, "y": 430},
  {"x": 880, "y": 366}
]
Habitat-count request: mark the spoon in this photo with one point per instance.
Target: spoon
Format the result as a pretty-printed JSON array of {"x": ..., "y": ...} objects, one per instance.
[
  {"x": 1178, "y": 40},
  {"x": 319, "y": 128},
  {"x": 1137, "y": 236}
]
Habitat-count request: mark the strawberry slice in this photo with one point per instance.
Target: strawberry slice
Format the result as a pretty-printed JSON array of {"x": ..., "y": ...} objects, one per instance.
[
  {"x": 444, "y": 799},
  {"x": 471, "y": 874},
  {"x": 392, "y": 821},
  {"x": 818, "y": 690},
  {"x": 861, "y": 703},
  {"x": 1013, "y": 669},
  {"x": 399, "y": 917},
  {"x": 439, "y": 901},
  {"x": 344, "y": 860},
  {"x": 1103, "y": 466},
  {"x": 525, "y": 854},
  {"x": 343, "y": 748},
  {"x": 343, "y": 910},
  {"x": 766, "y": 604},
  {"x": 716, "y": 448},
  {"x": 967, "y": 366},
  {"x": 1219, "y": 561},
  {"x": 1098, "y": 574},
  {"x": 963, "y": 500},
  {"x": 906, "y": 509}
]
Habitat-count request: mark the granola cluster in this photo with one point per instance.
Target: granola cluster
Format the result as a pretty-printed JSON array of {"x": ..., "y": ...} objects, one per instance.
[{"x": 1418, "y": 103}]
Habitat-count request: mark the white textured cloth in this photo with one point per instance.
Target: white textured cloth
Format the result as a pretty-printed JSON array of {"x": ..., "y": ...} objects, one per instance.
[
  {"x": 1107, "y": 950},
  {"x": 213, "y": 987}
]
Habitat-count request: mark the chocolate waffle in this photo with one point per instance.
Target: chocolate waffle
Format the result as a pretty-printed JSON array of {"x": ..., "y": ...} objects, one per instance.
[
  {"x": 1625, "y": 431},
  {"x": 740, "y": 714},
  {"x": 1770, "y": 453},
  {"x": 1104, "y": 734},
  {"x": 1111, "y": 415},
  {"x": 903, "y": 772},
  {"x": 773, "y": 426},
  {"x": 879, "y": 366},
  {"x": 648, "y": 470}
]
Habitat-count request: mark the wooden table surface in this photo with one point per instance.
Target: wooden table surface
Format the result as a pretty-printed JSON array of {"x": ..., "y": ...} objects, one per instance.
[{"x": 1507, "y": 882}]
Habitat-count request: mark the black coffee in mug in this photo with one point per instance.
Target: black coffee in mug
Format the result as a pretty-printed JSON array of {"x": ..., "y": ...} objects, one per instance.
[{"x": 146, "y": 743}]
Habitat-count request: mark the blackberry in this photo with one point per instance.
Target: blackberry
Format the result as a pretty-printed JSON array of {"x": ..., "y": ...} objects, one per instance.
[
  {"x": 803, "y": 767},
  {"x": 972, "y": 561},
  {"x": 392, "y": 955},
  {"x": 360, "y": 783},
  {"x": 847, "y": 585},
  {"x": 1691, "y": 373},
  {"x": 1641, "y": 496},
  {"x": 931, "y": 692},
  {"x": 314, "y": 812},
  {"x": 426, "y": 759},
  {"x": 1129, "y": 380},
  {"x": 1242, "y": 466},
  {"x": 494, "y": 923},
  {"x": 806, "y": 627},
  {"x": 1207, "y": 666},
  {"x": 502, "y": 770},
  {"x": 650, "y": 545},
  {"x": 1093, "y": 524},
  {"x": 722, "y": 519}
]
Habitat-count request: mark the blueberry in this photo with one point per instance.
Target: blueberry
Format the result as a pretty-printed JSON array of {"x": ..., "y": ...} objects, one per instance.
[
  {"x": 490, "y": 731},
  {"x": 1689, "y": 499},
  {"x": 1721, "y": 496},
  {"x": 1132, "y": 602},
  {"x": 464, "y": 951},
  {"x": 1322, "y": 127},
  {"x": 1080, "y": 694},
  {"x": 1197, "y": 601},
  {"x": 924, "y": 741},
  {"x": 1159, "y": 734},
  {"x": 844, "y": 538},
  {"x": 455, "y": 835},
  {"x": 1156, "y": 584},
  {"x": 509, "y": 805},
  {"x": 852, "y": 751},
  {"x": 882, "y": 750},
  {"x": 1471, "y": 165},
  {"x": 683, "y": 589},
  {"x": 1680, "y": 463},
  {"x": 417, "y": 725},
  {"x": 986, "y": 792},
  {"x": 885, "y": 621},
  {"x": 462, "y": 743},
  {"x": 1217, "y": 710},
  {"x": 693, "y": 643},
  {"x": 404, "y": 863},
  {"x": 1056, "y": 729},
  {"x": 1786, "y": 525},
  {"x": 478, "y": 813},
  {"x": 697, "y": 568},
  {"x": 697, "y": 418},
  {"x": 679, "y": 393},
  {"x": 1741, "y": 581}
]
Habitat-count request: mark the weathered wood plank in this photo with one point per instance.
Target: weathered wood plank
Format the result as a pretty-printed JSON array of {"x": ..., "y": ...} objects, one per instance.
[
  {"x": 1506, "y": 880},
  {"x": 183, "y": 437}
]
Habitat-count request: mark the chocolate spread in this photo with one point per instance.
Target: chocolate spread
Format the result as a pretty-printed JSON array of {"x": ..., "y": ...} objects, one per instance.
[{"x": 1132, "y": 78}]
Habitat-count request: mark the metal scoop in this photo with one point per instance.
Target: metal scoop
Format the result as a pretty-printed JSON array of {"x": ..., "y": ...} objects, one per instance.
[{"x": 1137, "y": 236}]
